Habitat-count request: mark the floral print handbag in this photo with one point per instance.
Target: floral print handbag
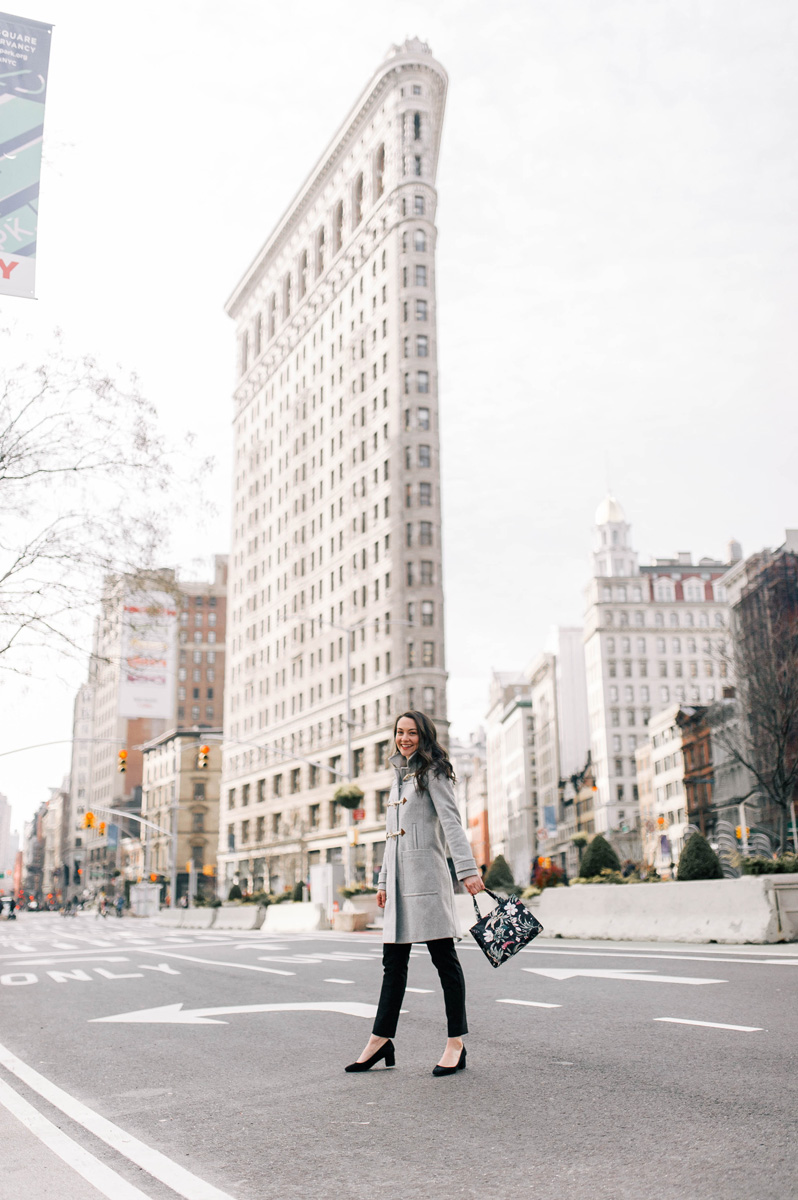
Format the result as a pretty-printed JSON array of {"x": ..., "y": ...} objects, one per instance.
[{"x": 505, "y": 930}]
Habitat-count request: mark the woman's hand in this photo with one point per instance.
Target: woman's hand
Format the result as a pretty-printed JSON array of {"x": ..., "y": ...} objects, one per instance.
[
  {"x": 381, "y": 898},
  {"x": 473, "y": 884}
]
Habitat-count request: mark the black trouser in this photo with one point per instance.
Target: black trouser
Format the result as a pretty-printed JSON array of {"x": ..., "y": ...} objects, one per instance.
[{"x": 395, "y": 957}]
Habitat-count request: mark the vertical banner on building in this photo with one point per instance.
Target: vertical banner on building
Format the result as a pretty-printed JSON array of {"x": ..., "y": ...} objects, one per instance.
[
  {"x": 24, "y": 61},
  {"x": 149, "y": 655}
]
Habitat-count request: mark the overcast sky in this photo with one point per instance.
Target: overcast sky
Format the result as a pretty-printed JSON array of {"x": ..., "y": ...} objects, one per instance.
[{"x": 616, "y": 270}]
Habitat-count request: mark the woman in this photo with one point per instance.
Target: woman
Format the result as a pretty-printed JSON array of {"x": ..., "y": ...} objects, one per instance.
[{"x": 415, "y": 890}]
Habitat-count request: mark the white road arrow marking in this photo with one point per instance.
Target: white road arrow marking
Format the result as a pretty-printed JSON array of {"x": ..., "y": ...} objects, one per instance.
[
  {"x": 175, "y": 1014},
  {"x": 631, "y": 976}
]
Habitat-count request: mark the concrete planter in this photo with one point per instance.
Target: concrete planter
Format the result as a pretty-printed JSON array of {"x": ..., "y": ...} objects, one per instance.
[
  {"x": 350, "y": 922},
  {"x": 293, "y": 916},
  {"x": 756, "y": 909}
]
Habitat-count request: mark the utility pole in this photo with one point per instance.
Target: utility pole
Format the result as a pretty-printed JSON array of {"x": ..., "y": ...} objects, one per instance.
[{"x": 173, "y": 855}]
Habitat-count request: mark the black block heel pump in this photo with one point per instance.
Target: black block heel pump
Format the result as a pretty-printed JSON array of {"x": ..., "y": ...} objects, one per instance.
[
  {"x": 459, "y": 1065},
  {"x": 386, "y": 1052}
]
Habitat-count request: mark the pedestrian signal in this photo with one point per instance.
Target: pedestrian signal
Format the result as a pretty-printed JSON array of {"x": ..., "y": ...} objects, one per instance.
[
  {"x": 202, "y": 757},
  {"x": 121, "y": 765}
]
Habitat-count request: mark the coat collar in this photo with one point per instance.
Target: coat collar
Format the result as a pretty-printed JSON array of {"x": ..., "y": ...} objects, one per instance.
[{"x": 401, "y": 763}]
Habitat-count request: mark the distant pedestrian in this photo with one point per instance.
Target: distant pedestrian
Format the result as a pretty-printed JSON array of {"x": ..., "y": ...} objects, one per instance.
[
  {"x": 415, "y": 888},
  {"x": 120, "y": 904}
]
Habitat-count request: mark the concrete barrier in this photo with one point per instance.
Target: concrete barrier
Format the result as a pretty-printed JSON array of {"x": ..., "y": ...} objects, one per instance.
[
  {"x": 244, "y": 916},
  {"x": 198, "y": 918},
  {"x": 295, "y": 917},
  {"x": 757, "y": 909},
  {"x": 170, "y": 916}
]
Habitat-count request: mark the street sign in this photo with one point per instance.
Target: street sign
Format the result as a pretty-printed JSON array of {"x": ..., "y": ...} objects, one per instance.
[{"x": 359, "y": 814}]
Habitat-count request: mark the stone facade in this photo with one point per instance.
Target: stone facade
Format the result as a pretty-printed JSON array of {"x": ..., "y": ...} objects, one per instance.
[
  {"x": 654, "y": 635},
  {"x": 336, "y": 599}
]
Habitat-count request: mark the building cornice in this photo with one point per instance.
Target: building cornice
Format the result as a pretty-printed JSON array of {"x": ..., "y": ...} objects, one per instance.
[{"x": 413, "y": 56}]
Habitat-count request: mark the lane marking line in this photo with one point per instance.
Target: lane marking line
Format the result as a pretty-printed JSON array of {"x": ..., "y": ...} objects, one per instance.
[
  {"x": 339, "y": 981},
  {"x": 712, "y": 1025},
  {"x": 212, "y": 962},
  {"x": 189, "y": 1186},
  {"x": 530, "y": 1003},
  {"x": 96, "y": 1173}
]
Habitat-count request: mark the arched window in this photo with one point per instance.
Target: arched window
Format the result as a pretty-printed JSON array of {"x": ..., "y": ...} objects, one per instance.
[
  {"x": 419, "y": 240},
  {"x": 404, "y": 242},
  {"x": 416, "y": 127},
  {"x": 379, "y": 172},
  {"x": 338, "y": 226},
  {"x": 320, "y": 251},
  {"x": 357, "y": 202}
]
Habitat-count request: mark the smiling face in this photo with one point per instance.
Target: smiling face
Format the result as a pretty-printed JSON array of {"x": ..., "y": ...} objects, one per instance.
[{"x": 407, "y": 736}]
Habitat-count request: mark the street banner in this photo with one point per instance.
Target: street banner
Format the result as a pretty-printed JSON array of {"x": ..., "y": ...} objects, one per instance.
[
  {"x": 24, "y": 61},
  {"x": 149, "y": 656}
]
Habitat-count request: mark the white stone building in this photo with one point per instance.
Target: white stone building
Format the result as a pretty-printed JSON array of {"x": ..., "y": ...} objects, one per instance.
[
  {"x": 652, "y": 638},
  {"x": 335, "y": 576},
  {"x": 512, "y": 773},
  {"x": 665, "y": 820}
]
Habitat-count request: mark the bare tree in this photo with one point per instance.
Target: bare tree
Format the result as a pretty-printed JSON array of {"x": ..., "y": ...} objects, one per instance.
[
  {"x": 762, "y": 734},
  {"x": 89, "y": 487}
]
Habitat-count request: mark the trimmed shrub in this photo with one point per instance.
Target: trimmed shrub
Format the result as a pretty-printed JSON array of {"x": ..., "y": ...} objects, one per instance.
[
  {"x": 499, "y": 875},
  {"x": 698, "y": 860},
  {"x": 235, "y": 893},
  {"x": 787, "y": 864},
  {"x": 598, "y": 857}
]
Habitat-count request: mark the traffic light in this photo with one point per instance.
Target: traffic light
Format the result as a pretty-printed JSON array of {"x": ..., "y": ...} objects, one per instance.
[
  {"x": 88, "y": 820},
  {"x": 739, "y": 832},
  {"x": 101, "y": 829},
  {"x": 121, "y": 765},
  {"x": 202, "y": 757}
]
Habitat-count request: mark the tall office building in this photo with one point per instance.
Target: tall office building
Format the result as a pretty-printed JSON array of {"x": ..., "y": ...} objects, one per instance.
[
  {"x": 335, "y": 576},
  {"x": 654, "y": 635}
]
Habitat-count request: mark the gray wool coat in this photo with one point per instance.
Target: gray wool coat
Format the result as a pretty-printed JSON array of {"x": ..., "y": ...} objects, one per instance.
[{"x": 419, "y": 905}]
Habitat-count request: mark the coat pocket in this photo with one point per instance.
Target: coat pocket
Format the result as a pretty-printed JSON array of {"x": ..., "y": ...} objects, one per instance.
[{"x": 417, "y": 873}]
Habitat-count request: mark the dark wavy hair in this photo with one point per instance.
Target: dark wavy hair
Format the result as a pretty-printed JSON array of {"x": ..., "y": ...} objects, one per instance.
[{"x": 430, "y": 751}]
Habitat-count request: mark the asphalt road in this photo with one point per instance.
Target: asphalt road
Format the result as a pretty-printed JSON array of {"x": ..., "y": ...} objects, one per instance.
[{"x": 595, "y": 1069}]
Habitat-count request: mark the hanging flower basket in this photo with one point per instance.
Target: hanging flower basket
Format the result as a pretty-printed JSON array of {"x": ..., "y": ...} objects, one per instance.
[{"x": 349, "y": 795}]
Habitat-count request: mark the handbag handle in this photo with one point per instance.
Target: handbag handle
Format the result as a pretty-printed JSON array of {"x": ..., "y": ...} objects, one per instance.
[{"x": 498, "y": 900}]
